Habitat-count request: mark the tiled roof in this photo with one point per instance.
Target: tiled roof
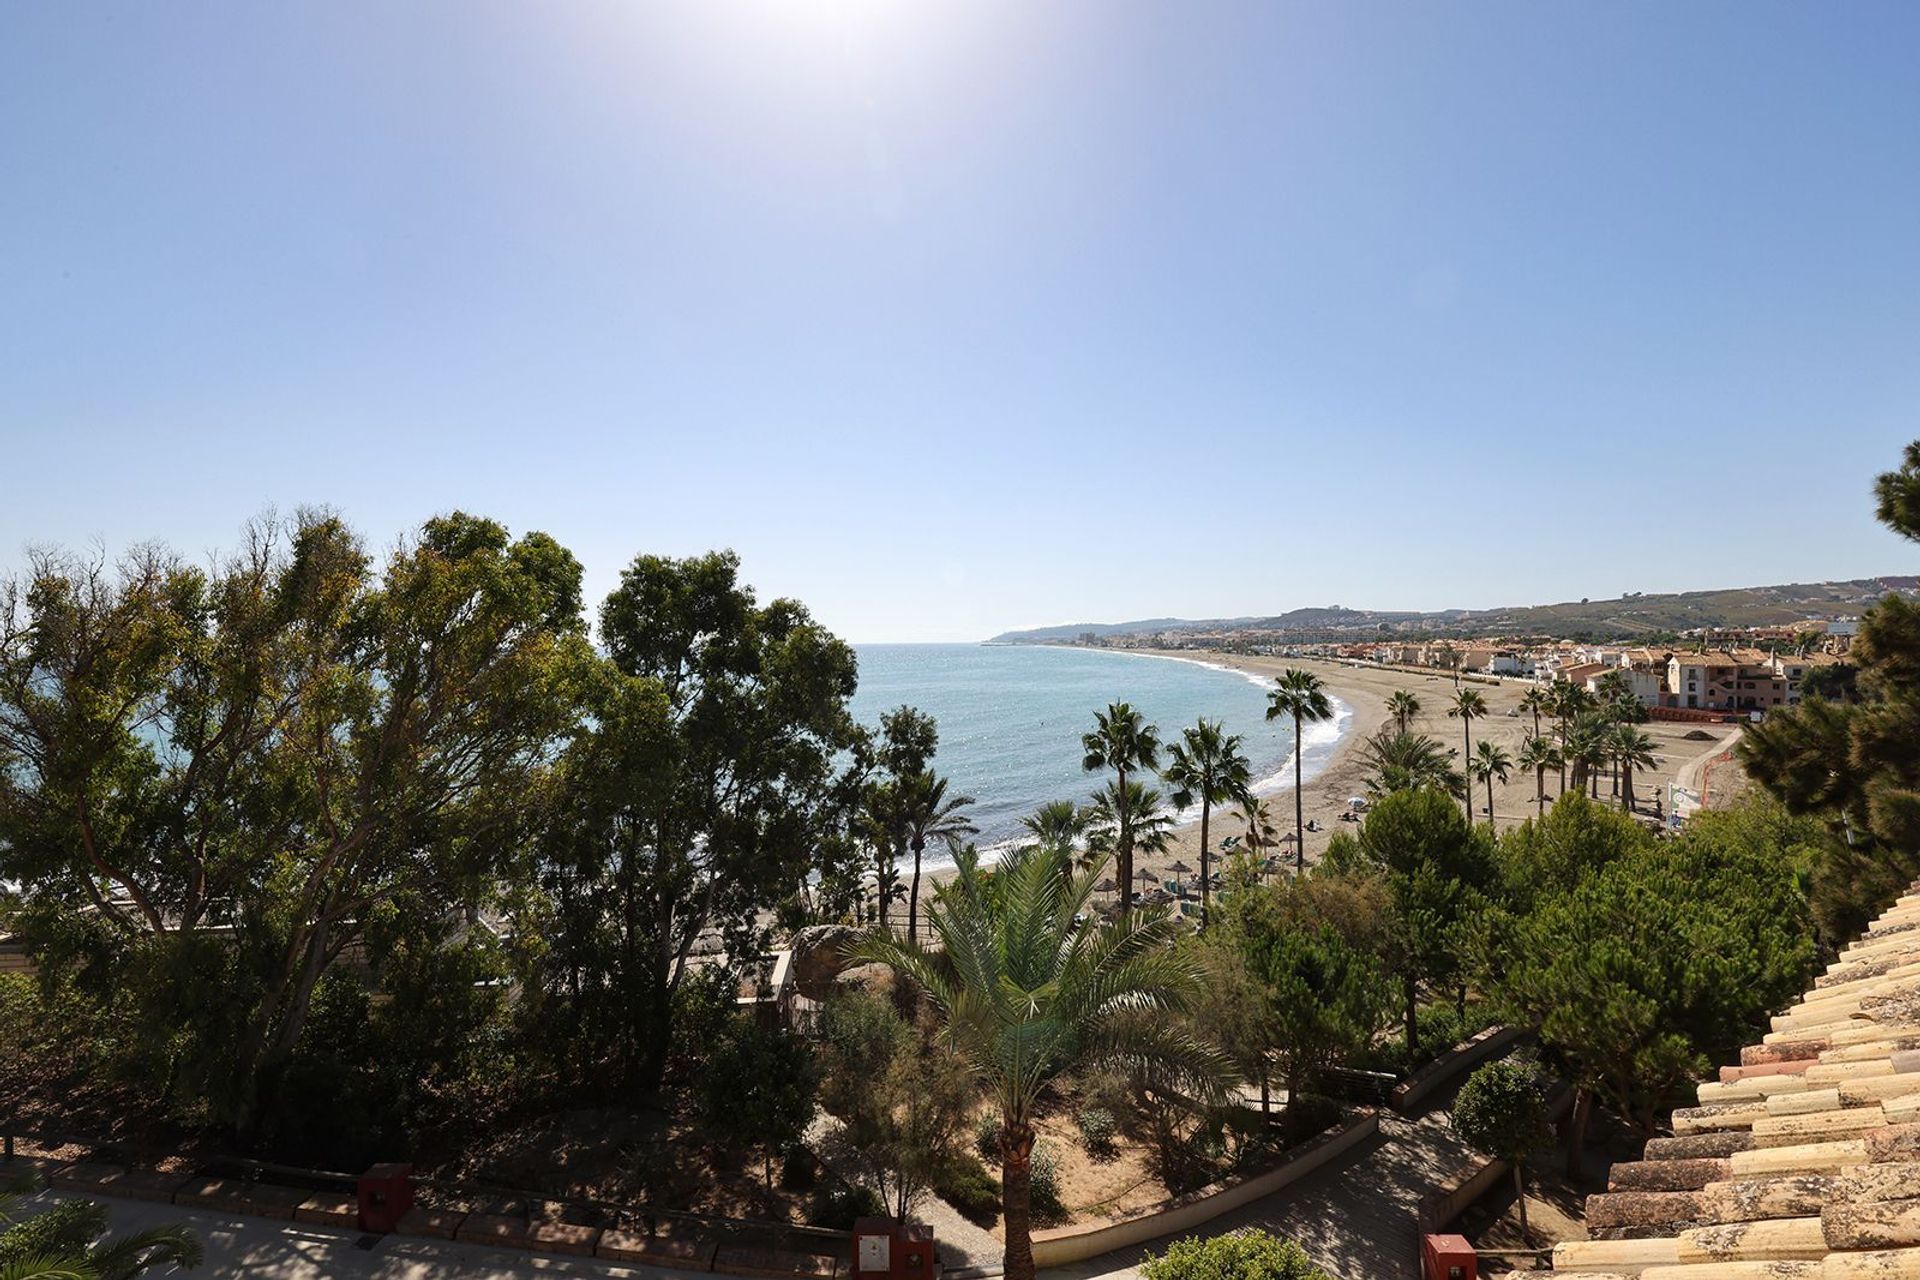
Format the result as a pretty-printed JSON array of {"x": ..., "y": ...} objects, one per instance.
[{"x": 1804, "y": 1160}]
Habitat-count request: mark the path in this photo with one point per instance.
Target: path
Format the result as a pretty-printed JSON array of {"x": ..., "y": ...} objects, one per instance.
[
  {"x": 239, "y": 1246},
  {"x": 1693, "y": 774},
  {"x": 1355, "y": 1218}
]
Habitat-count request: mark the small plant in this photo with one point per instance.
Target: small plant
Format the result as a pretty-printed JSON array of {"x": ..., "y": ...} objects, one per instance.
[
  {"x": 838, "y": 1207},
  {"x": 986, "y": 1136},
  {"x": 1097, "y": 1129},
  {"x": 1239, "y": 1255}
]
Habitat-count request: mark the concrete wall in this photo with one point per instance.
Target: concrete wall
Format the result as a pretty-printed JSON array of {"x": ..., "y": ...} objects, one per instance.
[
  {"x": 1451, "y": 1065},
  {"x": 1061, "y": 1245}
]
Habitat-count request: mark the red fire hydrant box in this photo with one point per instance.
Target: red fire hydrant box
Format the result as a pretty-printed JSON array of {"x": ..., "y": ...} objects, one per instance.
[
  {"x": 386, "y": 1193},
  {"x": 886, "y": 1249},
  {"x": 1449, "y": 1258}
]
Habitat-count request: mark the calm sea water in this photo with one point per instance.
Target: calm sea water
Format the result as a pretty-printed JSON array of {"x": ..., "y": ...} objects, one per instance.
[{"x": 1011, "y": 716}]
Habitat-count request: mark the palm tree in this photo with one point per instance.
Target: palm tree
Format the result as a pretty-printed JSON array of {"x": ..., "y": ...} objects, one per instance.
[
  {"x": 1586, "y": 751},
  {"x": 1207, "y": 765},
  {"x": 1632, "y": 749},
  {"x": 880, "y": 818},
  {"x": 1403, "y": 707},
  {"x": 1029, "y": 989},
  {"x": 1257, "y": 817},
  {"x": 1149, "y": 825},
  {"x": 1469, "y": 706},
  {"x": 80, "y": 1254},
  {"x": 1489, "y": 762},
  {"x": 928, "y": 813},
  {"x": 1408, "y": 761},
  {"x": 1125, "y": 743},
  {"x": 1537, "y": 700},
  {"x": 1059, "y": 825},
  {"x": 1301, "y": 695},
  {"x": 1540, "y": 754}
]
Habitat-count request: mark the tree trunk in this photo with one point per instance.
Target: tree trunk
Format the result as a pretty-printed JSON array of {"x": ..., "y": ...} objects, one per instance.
[
  {"x": 1206, "y": 890},
  {"x": 1520, "y": 1199},
  {"x": 1577, "y": 1130},
  {"x": 1266, "y": 1096},
  {"x": 913, "y": 895},
  {"x": 1123, "y": 852},
  {"x": 1466, "y": 762},
  {"x": 1413, "y": 1024},
  {"x": 880, "y": 891},
  {"x": 1299, "y": 804},
  {"x": 1489, "y": 800},
  {"x": 1540, "y": 790},
  {"x": 1016, "y": 1199}
]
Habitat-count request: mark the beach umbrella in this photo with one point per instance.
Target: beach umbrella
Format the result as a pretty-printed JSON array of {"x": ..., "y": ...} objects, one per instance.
[
  {"x": 1288, "y": 838},
  {"x": 1145, "y": 876},
  {"x": 1105, "y": 886},
  {"x": 1180, "y": 869}
]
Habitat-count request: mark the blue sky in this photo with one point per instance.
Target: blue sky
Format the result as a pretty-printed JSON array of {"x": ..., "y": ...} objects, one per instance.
[{"x": 957, "y": 317}]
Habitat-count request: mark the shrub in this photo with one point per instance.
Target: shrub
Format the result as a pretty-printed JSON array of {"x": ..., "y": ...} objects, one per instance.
[
  {"x": 1097, "y": 1129},
  {"x": 837, "y": 1207},
  {"x": 970, "y": 1189},
  {"x": 1240, "y": 1255},
  {"x": 986, "y": 1136},
  {"x": 1046, "y": 1184}
]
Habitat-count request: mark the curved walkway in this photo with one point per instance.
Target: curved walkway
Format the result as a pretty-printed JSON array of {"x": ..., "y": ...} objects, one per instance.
[{"x": 1355, "y": 1218}]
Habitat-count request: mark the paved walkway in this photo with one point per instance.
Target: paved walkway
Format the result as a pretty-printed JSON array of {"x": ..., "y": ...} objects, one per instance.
[{"x": 1354, "y": 1217}]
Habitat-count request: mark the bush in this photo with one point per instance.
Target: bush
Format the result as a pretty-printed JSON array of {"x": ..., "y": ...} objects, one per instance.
[
  {"x": 799, "y": 1168},
  {"x": 1046, "y": 1184},
  {"x": 986, "y": 1136},
  {"x": 1240, "y": 1255},
  {"x": 837, "y": 1207},
  {"x": 1097, "y": 1129},
  {"x": 66, "y": 1230},
  {"x": 971, "y": 1190}
]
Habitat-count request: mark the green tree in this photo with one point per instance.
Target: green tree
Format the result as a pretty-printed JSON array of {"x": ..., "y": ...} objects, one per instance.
[
  {"x": 1027, "y": 988},
  {"x": 757, "y": 1088},
  {"x": 1402, "y": 707},
  {"x": 1246, "y": 1254},
  {"x": 291, "y": 744},
  {"x": 1491, "y": 761},
  {"x": 1125, "y": 743},
  {"x": 1468, "y": 706},
  {"x": 1632, "y": 749},
  {"x": 1207, "y": 766},
  {"x": 1537, "y": 701},
  {"x": 928, "y": 813},
  {"x": 1301, "y": 697},
  {"x": 1855, "y": 766},
  {"x": 1059, "y": 826},
  {"x": 1138, "y": 812},
  {"x": 1501, "y": 1112},
  {"x": 691, "y": 802}
]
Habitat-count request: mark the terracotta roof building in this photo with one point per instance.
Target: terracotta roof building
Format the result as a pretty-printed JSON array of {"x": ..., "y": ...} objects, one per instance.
[{"x": 1801, "y": 1162}]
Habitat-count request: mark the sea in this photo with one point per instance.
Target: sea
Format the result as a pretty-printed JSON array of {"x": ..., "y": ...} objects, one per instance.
[{"x": 1011, "y": 717}]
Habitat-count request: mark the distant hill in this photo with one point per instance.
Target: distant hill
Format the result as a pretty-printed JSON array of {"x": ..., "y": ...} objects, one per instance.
[{"x": 1622, "y": 618}]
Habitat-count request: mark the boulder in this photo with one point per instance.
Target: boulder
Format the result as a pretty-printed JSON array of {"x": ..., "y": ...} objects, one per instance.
[
  {"x": 874, "y": 978},
  {"x": 819, "y": 955}
]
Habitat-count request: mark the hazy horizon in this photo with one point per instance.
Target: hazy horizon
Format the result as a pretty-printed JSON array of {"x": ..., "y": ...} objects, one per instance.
[{"x": 958, "y": 318}]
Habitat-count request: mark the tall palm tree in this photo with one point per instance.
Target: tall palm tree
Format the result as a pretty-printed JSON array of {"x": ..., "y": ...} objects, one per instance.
[
  {"x": 1632, "y": 749},
  {"x": 1537, "y": 700},
  {"x": 1125, "y": 743},
  {"x": 81, "y": 1255},
  {"x": 1540, "y": 754},
  {"x": 1469, "y": 706},
  {"x": 1029, "y": 989},
  {"x": 928, "y": 813},
  {"x": 1403, "y": 707},
  {"x": 1489, "y": 762},
  {"x": 1301, "y": 695},
  {"x": 1208, "y": 766},
  {"x": 1586, "y": 751},
  {"x": 1256, "y": 816}
]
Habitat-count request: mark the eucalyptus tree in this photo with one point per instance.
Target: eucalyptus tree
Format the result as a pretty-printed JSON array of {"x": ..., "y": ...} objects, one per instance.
[
  {"x": 1540, "y": 754},
  {"x": 1207, "y": 766},
  {"x": 1468, "y": 706},
  {"x": 1302, "y": 697},
  {"x": 290, "y": 744},
  {"x": 1027, "y": 989},
  {"x": 928, "y": 813},
  {"x": 1490, "y": 761},
  {"x": 1124, "y": 742},
  {"x": 1403, "y": 706},
  {"x": 692, "y": 799}
]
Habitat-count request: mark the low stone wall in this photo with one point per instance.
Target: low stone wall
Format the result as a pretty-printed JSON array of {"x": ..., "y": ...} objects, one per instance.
[
  {"x": 1457, "y": 1061},
  {"x": 1060, "y": 1245}
]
